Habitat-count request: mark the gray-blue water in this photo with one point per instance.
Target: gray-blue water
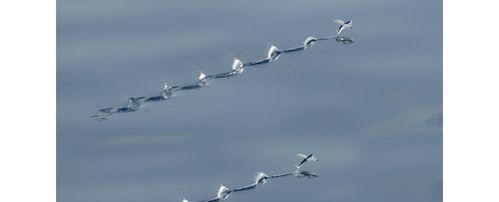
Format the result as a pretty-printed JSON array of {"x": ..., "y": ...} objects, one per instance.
[{"x": 371, "y": 110}]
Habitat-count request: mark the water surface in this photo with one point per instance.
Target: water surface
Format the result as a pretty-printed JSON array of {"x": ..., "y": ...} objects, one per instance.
[{"x": 371, "y": 110}]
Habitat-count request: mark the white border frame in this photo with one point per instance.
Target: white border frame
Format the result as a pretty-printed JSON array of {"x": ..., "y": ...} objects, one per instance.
[
  {"x": 471, "y": 99},
  {"x": 27, "y": 68}
]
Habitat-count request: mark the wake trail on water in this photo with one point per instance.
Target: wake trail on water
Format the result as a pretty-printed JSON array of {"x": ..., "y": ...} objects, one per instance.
[
  {"x": 134, "y": 103},
  {"x": 259, "y": 180}
]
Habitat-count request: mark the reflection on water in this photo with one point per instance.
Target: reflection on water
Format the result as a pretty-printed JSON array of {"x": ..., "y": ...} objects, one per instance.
[
  {"x": 344, "y": 40},
  {"x": 202, "y": 80}
]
